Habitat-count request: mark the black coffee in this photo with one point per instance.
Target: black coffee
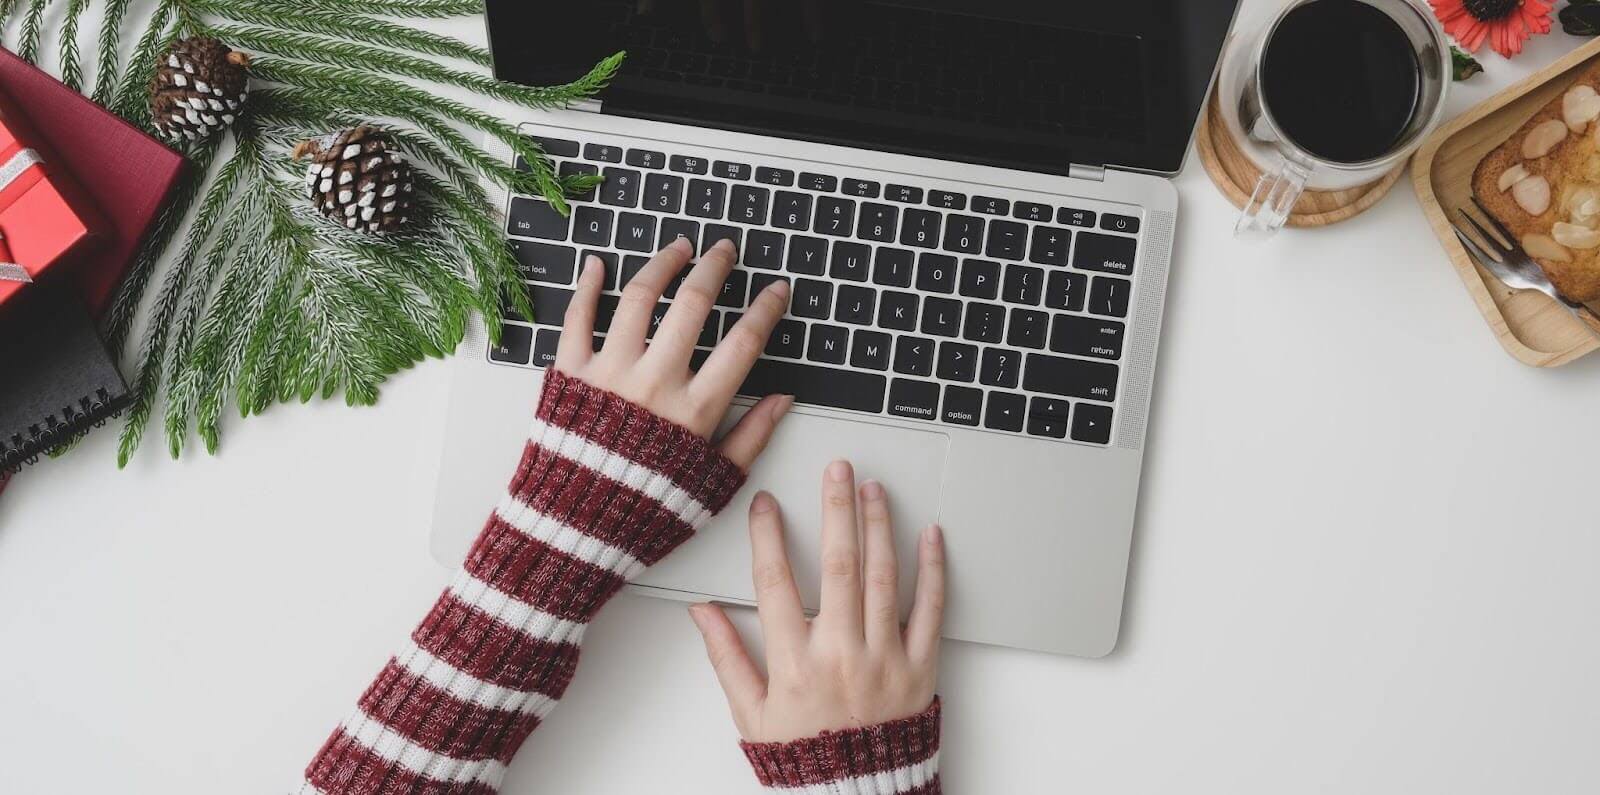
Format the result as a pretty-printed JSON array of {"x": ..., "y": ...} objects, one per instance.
[{"x": 1341, "y": 79}]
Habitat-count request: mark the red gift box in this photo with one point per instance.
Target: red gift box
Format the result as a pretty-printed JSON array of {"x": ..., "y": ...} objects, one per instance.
[{"x": 45, "y": 219}]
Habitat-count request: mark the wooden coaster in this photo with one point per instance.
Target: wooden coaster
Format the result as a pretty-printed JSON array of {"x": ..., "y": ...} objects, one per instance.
[{"x": 1236, "y": 177}]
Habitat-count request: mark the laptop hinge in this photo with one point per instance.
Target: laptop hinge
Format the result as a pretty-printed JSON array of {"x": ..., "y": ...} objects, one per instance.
[
  {"x": 586, "y": 105},
  {"x": 1095, "y": 173}
]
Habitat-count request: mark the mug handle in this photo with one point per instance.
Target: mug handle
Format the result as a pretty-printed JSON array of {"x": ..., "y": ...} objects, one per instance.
[{"x": 1272, "y": 201}]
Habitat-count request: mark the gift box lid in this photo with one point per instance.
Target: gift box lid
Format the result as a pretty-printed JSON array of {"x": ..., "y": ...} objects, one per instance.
[{"x": 46, "y": 220}]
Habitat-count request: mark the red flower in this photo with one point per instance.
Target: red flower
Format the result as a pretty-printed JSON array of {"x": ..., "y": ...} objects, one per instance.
[{"x": 1505, "y": 23}]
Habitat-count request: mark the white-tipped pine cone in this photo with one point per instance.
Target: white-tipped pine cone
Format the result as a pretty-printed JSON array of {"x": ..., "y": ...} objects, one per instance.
[
  {"x": 199, "y": 87},
  {"x": 357, "y": 181}
]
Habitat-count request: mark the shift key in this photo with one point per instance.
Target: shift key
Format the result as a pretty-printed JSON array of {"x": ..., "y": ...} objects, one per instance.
[{"x": 1055, "y": 375}]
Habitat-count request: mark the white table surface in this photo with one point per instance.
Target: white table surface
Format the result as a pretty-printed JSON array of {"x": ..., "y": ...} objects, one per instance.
[{"x": 1365, "y": 563}]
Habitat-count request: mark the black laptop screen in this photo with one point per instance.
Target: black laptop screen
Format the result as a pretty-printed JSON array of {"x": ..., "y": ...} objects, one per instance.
[{"x": 1032, "y": 85}]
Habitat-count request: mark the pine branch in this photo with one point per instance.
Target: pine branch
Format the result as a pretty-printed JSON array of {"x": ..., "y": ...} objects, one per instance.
[
  {"x": 32, "y": 27},
  {"x": 129, "y": 99},
  {"x": 344, "y": 24},
  {"x": 251, "y": 278},
  {"x": 414, "y": 9},
  {"x": 71, "y": 70},
  {"x": 7, "y": 7},
  {"x": 110, "y": 38}
]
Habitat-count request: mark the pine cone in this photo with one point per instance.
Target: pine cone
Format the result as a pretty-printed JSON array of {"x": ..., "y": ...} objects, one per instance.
[
  {"x": 355, "y": 180},
  {"x": 198, "y": 88}
]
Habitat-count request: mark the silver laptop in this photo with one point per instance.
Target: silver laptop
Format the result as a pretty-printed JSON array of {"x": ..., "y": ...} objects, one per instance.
[{"x": 971, "y": 201}]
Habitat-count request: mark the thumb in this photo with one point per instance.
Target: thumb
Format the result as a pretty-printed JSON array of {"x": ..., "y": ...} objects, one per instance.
[
  {"x": 749, "y": 437},
  {"x": 741, "y": 681}
]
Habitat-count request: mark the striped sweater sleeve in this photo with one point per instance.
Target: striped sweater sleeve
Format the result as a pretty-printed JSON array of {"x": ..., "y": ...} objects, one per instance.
[{"x": 900, "y": 757}]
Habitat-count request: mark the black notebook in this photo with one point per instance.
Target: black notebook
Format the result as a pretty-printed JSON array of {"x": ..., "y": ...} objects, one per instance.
[{"x": 56, "y": 378}]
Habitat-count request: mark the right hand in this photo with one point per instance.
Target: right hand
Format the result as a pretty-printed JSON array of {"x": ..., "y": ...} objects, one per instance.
[{"x": 853, "y": 665}]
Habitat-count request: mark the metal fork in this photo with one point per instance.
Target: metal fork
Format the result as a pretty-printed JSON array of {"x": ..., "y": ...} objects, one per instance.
[{"x": 1511, "y": 265}]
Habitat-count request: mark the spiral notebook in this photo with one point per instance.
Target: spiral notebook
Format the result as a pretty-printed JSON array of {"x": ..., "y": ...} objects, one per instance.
[{"x": 56, "y": 377}]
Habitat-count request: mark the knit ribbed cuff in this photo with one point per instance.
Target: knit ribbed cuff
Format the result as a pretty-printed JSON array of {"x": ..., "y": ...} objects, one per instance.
[{"x": 900, "y": 757}]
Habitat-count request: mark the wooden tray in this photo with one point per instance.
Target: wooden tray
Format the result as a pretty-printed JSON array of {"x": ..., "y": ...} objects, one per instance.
[{"x": 1532, "y": 327}]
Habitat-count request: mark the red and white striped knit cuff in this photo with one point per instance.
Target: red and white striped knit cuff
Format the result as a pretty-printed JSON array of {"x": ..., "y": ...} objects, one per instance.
[{"x": 900, "y": 757}]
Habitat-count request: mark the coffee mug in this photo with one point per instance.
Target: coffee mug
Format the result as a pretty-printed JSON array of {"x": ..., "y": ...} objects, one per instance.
[{"x": 1329, "y": 95}]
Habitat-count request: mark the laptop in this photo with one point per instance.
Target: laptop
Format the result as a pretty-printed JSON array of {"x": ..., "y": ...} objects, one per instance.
[{"x": 971, "y": 200}]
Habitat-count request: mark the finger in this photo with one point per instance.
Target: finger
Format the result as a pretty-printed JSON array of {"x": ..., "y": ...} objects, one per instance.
[
  {"x": 680, "y": 329},
  {"x": 577, "y": 329},
  {"x": 927, "y": 607},
  {"x": 639, "y": 298},
  {"x": 741, "y": 680},
  {"x": 840, "y": 609},
  {"x": 783, "y": 619},
  {"x": 880, "y": 574},
  {"x": 719, "y": 378},
  {"x": 749, "y": 437}
]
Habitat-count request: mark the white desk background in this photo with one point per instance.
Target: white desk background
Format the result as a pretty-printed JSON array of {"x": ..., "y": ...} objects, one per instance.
[{"x": 1365, "y": 563}]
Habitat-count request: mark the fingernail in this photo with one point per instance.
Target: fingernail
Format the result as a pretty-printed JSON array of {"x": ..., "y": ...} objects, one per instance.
[
  {"x": 694, "y": 614},
  {"x": 782, "y": 407},
  {"x": 934, "y": 535},
  {"x": 682, "y": 244},
  {"x": 725, "y": 243},
  {"x": 591, "y": 265},
  {"x": 839, "y": 471},
  {"x": 872, "y": 490},
  {"x": 763, "y": 503},
  {"x": 780, "y": 288}
]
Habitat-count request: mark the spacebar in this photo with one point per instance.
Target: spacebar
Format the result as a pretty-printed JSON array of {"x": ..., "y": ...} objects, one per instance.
[{"x": 817, "y": 386}]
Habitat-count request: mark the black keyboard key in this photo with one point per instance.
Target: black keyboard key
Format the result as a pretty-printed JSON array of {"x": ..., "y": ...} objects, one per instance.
[
  {"x": 936, "y": 273},
  {"x": 817, "y": 386},
  {"x": 688, "y": 165},
  {"x": 1007, "y": 240},
  {"x": 542, "y": 262},
  {"x": 760, "y": 281},
  {"x": 1092, "y": 424},
  {"x": 808, "y": 255},
  {"x": 898, "y": 311},
  {"x": 903, "y": 194},
  {"x": 592, "y": 226},
  {"x": 708, "y": 331},
  {"x": 892, "y": 267},
  {"x": 958, "y": 362},
  {"x": 706, "y": 199},
  {"x": 1024, "y": 285},
  {"x": 870, "y": 350},
  {"x": 1077, "y": 378},
  {"x": 780, "y": 177},
  {"x": 516, "y": 342},
  {"x": 636, "y": 232},
  {"x": 733, "y": 289},
  {"x": 913, "y": 356},
  {"x": 1005, "y": 411},
  {"x": 855, "y": 305},
  {"x": 941, "y": 316},
  {"x": 729, "y": 320},
  {"x": 556, "y": 147},
  {"x": 1066, "y": 290},
  {"x": 644, "y": 158},
  {"x": 1109, "y": 296},
  {"x": 674, "y": 228},
  {"x": 603, "y": 153},
  {"x": 747, "y": 204},
  {"x": 630, "y": 268},
  {"x": 861, "y": 188},
  {"x": 878, "y": 222},
  {"x": 549, "y": 304},
  {"x": 828, "y": 343},
  {"x": 572, "y": 169},
  {"x": 1029, "y": 329},
  {"x": 545, "y": 345},
  {"x": 920, "y": 228},
  {"x": 608, "y": 260},
  {"x": 980, "y": 278},
  {"x": 1029, "y": 211},
  {"x": 990, "y": 206},
  {"x": 1106, "y": 253},
  {"x": 962, "y": 405},
  {"x": 1075, "y": 217},
  {"x": 947, "y": 200},
  {"x": 788, "y": 339},
  {"x": 812, "y": 298},
  {"x": 1119, "y": 223},
  {"x": 1048, "y": 417},
  {"x": 1050, "y": 246},
  {"x": 964, "y": 234},
  {"x": 764, "y": 249},
  {"x": 984, "y": 322},
  {"x": 818, "y": 182},
  {"x": 605, "y": 312},
  {"x": 1086, "y": 336},
  {"x": 836, "y": 217},
  {"x": 663, "y": 193},
  {"x": 533, "y": 218},
  {"x": 727, "y": 170},
  {"x": 914, "y": 399},
  {"x": 850, "y": 261},
  {"x": 716, "y": 233},
  {"x": 658, "y": 314},
  {"x": 791, "y": 210},
  {"x": 621, "y": 188},
  {"x": 1001, "y": 368}
]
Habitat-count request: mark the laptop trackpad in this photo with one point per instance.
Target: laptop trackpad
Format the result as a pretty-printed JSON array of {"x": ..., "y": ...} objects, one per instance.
[{"x": 910, "y": 464}]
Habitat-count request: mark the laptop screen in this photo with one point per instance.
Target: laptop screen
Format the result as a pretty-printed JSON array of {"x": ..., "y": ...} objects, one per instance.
[{"x": 1029, "y": 84}]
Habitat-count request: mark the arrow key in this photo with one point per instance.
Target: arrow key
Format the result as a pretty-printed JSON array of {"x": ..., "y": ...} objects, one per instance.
[
  {"x": 1004, "y": 412},
  {"x": 1048, "y": 417},
  {"x": 1091, "y": 423}
]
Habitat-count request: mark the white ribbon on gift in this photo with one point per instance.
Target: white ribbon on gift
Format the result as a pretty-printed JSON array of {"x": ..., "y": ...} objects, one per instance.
[{"x": 23, "y": 160}]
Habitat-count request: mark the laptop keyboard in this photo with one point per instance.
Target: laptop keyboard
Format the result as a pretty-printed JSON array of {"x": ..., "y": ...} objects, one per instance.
[{"x": 910, "y": 299}]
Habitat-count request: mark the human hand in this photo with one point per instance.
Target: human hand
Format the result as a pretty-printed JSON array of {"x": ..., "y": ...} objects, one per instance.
[
  {"x": 853, "y": 665},
  {"x": 656, "y": 375}
]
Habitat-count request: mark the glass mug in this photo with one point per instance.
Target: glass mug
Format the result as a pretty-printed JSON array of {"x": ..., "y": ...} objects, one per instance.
[{"x": 1288, "y": 167}]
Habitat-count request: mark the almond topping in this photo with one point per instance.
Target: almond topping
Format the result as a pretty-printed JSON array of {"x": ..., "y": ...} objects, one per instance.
[
  {"x": 1543, "y": 247},
  {"x": 1574, "y": 236},
  {"x": 1543, "y": 138},
  {"x": 1579, "y": 106},
  {"x": 1512, "y": 176},
  {"x": 1532, "y": 194}
]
